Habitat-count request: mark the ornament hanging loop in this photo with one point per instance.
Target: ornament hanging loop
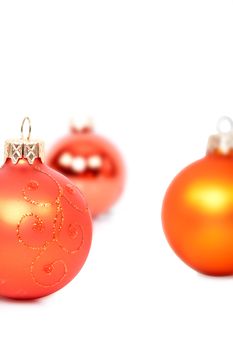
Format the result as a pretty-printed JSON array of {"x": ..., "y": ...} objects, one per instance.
[
  {"x": 26, "y": 119},
  {"x": 225, "y": 125}
]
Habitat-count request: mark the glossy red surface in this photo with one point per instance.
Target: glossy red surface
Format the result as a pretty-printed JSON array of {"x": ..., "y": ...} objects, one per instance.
[{"x": 93, "y": 164}]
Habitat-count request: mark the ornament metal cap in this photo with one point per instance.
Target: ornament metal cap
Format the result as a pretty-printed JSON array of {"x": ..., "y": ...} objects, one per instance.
[
  {"x": 24, "y": 148},
  {"x": 81, "y": 125},
  {"x": 222, "y": 142}
]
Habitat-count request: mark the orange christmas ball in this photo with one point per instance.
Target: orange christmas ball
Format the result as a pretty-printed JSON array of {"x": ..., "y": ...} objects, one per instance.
[
  {"x": 93, "y": 164},
  {"x": 46, "y": 227},
  {"x": 197, "y": 212}
]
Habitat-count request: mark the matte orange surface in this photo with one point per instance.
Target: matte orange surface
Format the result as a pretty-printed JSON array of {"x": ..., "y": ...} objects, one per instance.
[
  {"x": 197, "y": 215},
  {"x": 103, "y": 184},
  {"x": 46, "y": 230}
]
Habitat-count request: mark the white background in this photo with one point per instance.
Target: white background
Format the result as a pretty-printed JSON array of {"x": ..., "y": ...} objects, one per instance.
[{"x": 155, "y": 76}]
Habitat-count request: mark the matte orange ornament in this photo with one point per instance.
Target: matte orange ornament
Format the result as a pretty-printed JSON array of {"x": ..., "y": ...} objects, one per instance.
[
  {"x": 46, "y": 227},
  {"x": 93, "y": 164},
  {"x": 197, "y": 212}
]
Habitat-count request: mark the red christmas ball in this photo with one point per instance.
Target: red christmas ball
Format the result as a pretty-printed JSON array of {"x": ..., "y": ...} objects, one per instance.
[
  {"x": 46, "y": 227},
  {"x": 93, "y": 164}
]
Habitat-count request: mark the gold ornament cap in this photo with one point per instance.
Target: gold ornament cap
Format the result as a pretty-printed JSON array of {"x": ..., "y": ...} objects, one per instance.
[
  {"x": 24, "y": 148},
  {"x": 222, "y": 142}
]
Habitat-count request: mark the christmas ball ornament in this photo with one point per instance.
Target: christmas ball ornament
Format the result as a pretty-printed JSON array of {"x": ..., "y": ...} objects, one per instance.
[
  {"x": 93, "y": 164},
  {"x": 46, "y": 227},
  {"x": 197, "y": 212}
]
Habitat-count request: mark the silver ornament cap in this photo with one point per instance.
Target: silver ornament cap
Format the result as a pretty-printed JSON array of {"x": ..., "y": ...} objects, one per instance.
[
  {"x": 24, "y": 148},
  {"x": 222, "y": 142}
]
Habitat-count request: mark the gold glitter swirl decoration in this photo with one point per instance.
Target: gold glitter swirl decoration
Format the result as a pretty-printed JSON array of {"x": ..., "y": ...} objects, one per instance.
[
  {"x": 37, "y": 225},
  {"x": 66, "y": 236},
  {"x": 47, "y": 273},
  {"x": 76, "y": 237},
  {"x": 69, "y": 194}
]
